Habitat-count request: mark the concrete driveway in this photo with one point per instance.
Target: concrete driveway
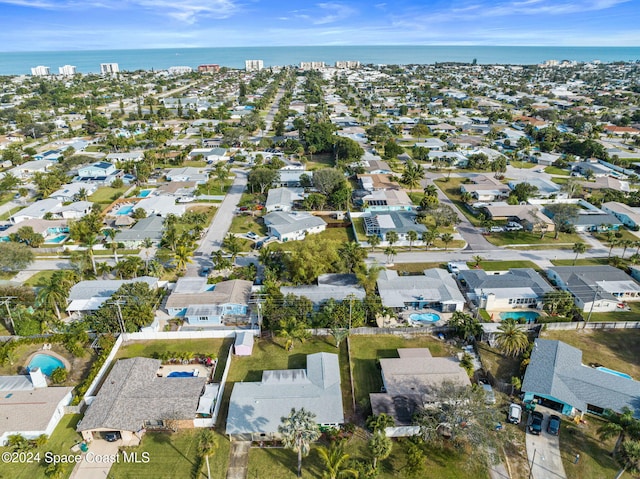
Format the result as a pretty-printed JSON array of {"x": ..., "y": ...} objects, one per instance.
[
  {"x": 547, "y": 463},
  {"x": 96, "y": 463}
]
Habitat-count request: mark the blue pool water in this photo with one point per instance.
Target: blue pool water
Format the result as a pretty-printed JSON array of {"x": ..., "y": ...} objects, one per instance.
[
  {"x": 58, "y": 239},
  {"x": 180, "y": 374},
  {"x": 46, "y": 363},
  {"x": 144, "y": 193},
  {"x": 424, "y": 317},
  {"x": 529, "y": 316},
  {"x": 615, "y": 373},
  {"x": 125, "y": 210}
]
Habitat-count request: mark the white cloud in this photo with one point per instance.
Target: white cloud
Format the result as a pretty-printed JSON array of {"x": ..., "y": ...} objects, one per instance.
[{"x": 337, "y": 12}]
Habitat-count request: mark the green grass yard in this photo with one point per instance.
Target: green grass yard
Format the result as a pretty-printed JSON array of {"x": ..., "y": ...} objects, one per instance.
[
  {"x": 60, "y": 442},
  {"x": 503, "y": 265},
  {"x": 174, "y": 455},
  {"x": 511, "y": 238},
  {"x": 245, "y": 223},
  {"x": 451, "y": 188},
  {"x": 554, "y": 170},
  {"x": 107, "y": 194}
]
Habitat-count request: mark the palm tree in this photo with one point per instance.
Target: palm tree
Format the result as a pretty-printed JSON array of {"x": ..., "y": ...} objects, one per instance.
[
  {"x": 352, "y": 254},
  {"x": 411, "y": 236},
  {"x": 182, "y": 256},
  {"x": 52, "y": 295},
  {"x": 207, "y": 444},
  {"x": 293, "y": 330},
  {"x": 391, "y": 237},
  {"x": 373, "y": 240},
  {"x": 428, "y": 237},
  {"x": 578, "y": 248},
  {"x": 446, "y": 238},
  {"x": 431, "y": 190},
  {"x": 622, "y": 425},
  {"x": 368, "y": 277},
  {"x": 412, "y": 175},
  {"x": 466, "y": 197},
  {"x": 390, "y": 251},
  {"x": 232, "y": 244},
  {"x": 477, "y": 259},
  {"x": 612, "y": 242},
  {"x": 335, "y": 462},
  {"x": 103, "y": 269},
  {"x": 630, "y": 458},
  {"x": 626, "y": 244},
  {"x": 90, "y": 241},
  {"x": 380, "y": 447},
  {"x": 298, "y": 431},
  {"x": 511, "y": 338},
  {"x": 220, "y": 261}
]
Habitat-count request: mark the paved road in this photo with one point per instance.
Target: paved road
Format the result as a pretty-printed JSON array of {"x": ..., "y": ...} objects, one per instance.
[{"x": 547, "y": 463}]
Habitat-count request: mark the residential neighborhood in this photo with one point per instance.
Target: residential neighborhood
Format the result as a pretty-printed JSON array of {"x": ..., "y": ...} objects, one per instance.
[{"x": 312, "y": 270}]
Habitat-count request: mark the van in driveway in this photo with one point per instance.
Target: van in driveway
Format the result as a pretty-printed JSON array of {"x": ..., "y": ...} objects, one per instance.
[{"x": 515, "y": 413}]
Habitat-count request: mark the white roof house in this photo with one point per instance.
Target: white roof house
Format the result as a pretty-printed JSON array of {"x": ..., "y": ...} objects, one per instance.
[
  {"x": 72, "y": 190},
  {"x": 293, "y": 226},
  {"x": 36, "y": 210},
  {"x": 161, "y": 205},
  {"x": 281, "y": 199},
  {"x": 256, "y": 408},
  {"x": 89, "y": 295}
]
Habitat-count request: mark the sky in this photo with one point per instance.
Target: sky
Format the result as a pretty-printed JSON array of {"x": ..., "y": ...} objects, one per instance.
[{"x": 40, "y": 25}]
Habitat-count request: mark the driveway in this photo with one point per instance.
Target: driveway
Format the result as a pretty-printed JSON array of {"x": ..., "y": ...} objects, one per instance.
[
  {"x": 238, "y": 460},
  {"x": 547, "y": 463},
  {"x": 97, "y": 462}
]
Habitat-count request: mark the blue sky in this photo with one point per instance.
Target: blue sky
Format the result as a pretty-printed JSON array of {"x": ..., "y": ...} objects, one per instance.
[{"x": 33, "y": 25}]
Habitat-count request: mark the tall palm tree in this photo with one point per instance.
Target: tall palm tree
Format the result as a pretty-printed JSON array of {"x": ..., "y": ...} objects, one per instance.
[
  {"x": 368, "y": 277},
  {"x": 53, "y": 296},
  {"x": 391, "y": 237},
  {"x": 390, "y": 251},
  {"x": 335, "y": 462},
  {"x": 428, "y": 237},
  {"x": 612, "y": 243},
  {"x": 207, "y": 445},
  {"x": 373, "y": 240},
  {"x": 623, "y": 425},
  {"x": 578, "y": 248},
  {"x": 412, "y": 236},
  {"x": 380, "y": 447},
  {"x": 431, "y": 190},
  {"x": 412, "y": 175},
  {"x": 511, "y": 338},
  {"x": 352, "y": 254},
  {"x": 232, "y": 244},
  {"x": 292, "y": 330},
  {"x": 446, "y": 238},
  {"x": 103, "y": 269},
  {"x": 298, "y": 431},
  {"x": 626, "y": 244},
  {"x": 90, "y": 241},
  {"x": 630, "y": 458},
  {"x": 182, "y": 256}
]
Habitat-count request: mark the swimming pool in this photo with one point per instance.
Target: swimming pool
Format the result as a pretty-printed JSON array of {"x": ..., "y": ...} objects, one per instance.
[
  {"x": 144, "y": 193},
  {"x": 46, "y": 363},
  {"x": 424, "y": 317},
  {"x": 125, "y": 210},
  {"x": 57, "y": 239},
  {"x": 529, "y": 316},
  {"x": 615, "y": 373},
  {"x": 180, "y": 374}
]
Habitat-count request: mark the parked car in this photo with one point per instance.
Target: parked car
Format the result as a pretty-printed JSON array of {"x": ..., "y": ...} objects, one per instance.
[
  {"x": 554, "y": 425},
  {"x": 204, "y": 272},
  {"x": 111, "y": 436},
  {"x": 535, "y": 422},
  {"x": 513, "y": 226},
  {"x": 515, "y": 413},
  {"x": 496, "y": 229},
  {"x": 490, "y": 397},
  {"x": 252, "y": 235}
]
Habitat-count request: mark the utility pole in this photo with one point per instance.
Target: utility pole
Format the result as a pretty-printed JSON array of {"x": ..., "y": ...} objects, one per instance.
[
  {"x": 6, "y": 300},
  {"x": 593, "y": 303}
]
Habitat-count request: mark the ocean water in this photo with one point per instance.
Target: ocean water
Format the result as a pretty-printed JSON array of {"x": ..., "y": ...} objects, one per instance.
[{"x": 16, "y": 63}]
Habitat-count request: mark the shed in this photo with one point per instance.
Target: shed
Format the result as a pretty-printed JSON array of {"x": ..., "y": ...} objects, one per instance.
[{"x": 243, "y": 345}]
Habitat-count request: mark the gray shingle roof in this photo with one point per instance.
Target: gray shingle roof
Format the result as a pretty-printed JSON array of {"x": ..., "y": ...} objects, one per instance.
[
  {"x": 150, "y": 227},
  {"x": 516, "y": 278},
  {"x": 556, "y": 370},
  {"x": 259, "y": 406},
  {"x": 285, "y": 223},
  {"x": 132, "y": 394},
  {"x": 583, "y": 281},
  {"x": 235, "y": 291}
]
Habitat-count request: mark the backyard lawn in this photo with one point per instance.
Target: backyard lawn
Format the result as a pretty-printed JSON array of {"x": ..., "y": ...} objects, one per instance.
[
  {"x": 618, "y": 350},
  {"x": 60, "y": 442},
  {"x": 174, "y": 455},
  {"x": 365, "y": 350},
  {"x": 106, "y": 194},
  {"x": 245, "y": 223}
]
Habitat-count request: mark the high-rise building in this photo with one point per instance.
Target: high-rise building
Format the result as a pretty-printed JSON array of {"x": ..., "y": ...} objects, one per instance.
[
  {"x": 40, "y": 71},
  {"x": 209, "y": 68},
  {"x": 179, "y": 70},
  {"x": 109, "y": 68},
  {"x": 253, "y": 65},
  {"x": 67, "y": 70},
  {"x": 311, "y": 65},
  {"x": 348, "y": 64}
]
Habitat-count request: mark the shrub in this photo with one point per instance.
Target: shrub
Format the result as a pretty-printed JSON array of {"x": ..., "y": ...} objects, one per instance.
[{"x": 59, "y": 375}]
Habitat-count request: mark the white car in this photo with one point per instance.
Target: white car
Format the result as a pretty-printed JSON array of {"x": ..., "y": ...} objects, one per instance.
[
  {"x": 513, "y": 226},
  {"x": 496, "y": 229}
]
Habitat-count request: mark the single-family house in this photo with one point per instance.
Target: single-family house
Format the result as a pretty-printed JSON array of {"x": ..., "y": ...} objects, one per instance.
[
  {"x": 556, "y": 378},
  {"x": 73, "y": 211},
  {"x": 399, "y": 221},
  {"x": 161, "y": 205},
  {"x": 36, "y": 210},
  {"x": 628, "y": 215},
  {"x": 410, "y": 382},
  {"x": 600, "y": 289},
  {"x": 100, "y": 169},
  {"x": 210, "y": 155},
  {"x": 546, "y": 188},
  {"x": 202, "y": 304},
  {"x": 256, "y": 408},
  {"x": 146, "y": 228},
  {"x": 282, "y": 199},
  {"x": 605, "y": 183},
  {"x": 188, "y": 173},
  {"x": 529, "y": 216},
  {"x": 448, "y": 158},
  {"x": 123, "y": 156},
  {"x": 286, "y": 226},
  {"x": 89, "y": 295},
  {"x": 514, "y": 289},
  {"x": 134, "y": 398},
  {"x": 29, "y": 407},
  {"x": 290, "y": 178},
  {"x": 330, "y": 286},
  {"x": 377, "y": 182},
  {"x": 386, "y": 200},
  {"x": 45, "y": 228},
  {"x": 435, "y": 289},
  {"x": 73, "y": 192},
  {"x": 434, "y": 144},
  {"x": 485, "y": 188},
  {"x": 28, "y": 169}
]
